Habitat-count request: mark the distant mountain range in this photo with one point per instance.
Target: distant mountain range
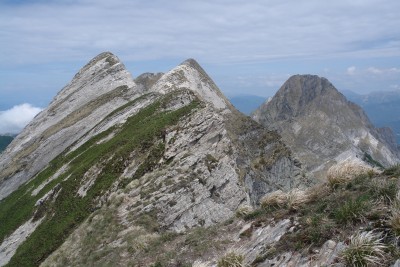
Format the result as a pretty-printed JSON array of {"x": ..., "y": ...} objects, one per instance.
[{"x": 383, "y": 108}]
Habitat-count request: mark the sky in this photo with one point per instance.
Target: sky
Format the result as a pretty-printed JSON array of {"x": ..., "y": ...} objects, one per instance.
[{"x": 247, "y": 47}]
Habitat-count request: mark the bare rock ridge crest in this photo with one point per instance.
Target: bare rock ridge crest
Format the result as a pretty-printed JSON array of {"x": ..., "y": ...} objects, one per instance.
[{"x": 323, "y": 128}]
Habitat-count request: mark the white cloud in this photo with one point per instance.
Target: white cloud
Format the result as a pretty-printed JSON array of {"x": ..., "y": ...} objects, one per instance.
[
  {"x": 374, "y": 70},
  {"x": 15, "y": 119},
  {"x": 378, "y": 71},
  {"x": 351, "y": 70}
]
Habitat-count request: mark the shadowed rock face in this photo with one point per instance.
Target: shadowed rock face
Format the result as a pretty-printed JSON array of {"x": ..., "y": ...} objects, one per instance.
[{"x": 321, "y": 126}]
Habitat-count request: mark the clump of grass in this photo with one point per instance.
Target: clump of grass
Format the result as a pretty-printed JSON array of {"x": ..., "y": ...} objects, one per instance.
[
  {"x": 295, "y": 198},
  {"x": 352, "y": 210},
  {"x": 364, "y": 249},
  {"x": 394, "y": 220},
  {"x": 343, "y": 173},
  {"x": 291, "y": 200},
  {"x": 231, "y": 259},
  {"x": 392, "y": 170},
  {"x": 244, "y": 210},
  {"x": 383, "y": 188},
  {"x": 275, "y": 199}
]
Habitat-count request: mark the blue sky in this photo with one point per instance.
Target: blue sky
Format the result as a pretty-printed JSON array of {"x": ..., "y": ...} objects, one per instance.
[{"x": 247, "y": 47}]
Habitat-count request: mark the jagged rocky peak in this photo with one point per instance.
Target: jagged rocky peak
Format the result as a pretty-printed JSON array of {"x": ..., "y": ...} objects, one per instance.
[
  {"x": 100, "y": 86},
  {"x": 190, "y": 75},
  {"x": 323, "y": 127}
]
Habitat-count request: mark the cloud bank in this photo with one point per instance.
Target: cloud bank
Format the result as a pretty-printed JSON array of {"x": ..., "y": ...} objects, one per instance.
[
  {"x": 213, "y": 31},
  {"x": 12, "y": 121}
]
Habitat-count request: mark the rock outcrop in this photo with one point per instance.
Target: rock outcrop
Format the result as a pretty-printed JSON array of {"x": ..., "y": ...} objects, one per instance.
[{"x": 322, "y": 127}]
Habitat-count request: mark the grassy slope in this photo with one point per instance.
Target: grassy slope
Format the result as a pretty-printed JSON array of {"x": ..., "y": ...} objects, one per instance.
[{"x": 141, "y": 132}]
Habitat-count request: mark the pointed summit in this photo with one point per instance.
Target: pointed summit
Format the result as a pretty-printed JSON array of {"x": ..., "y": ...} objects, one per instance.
[
  {"x": 301, "y": 91},
  {"x": 322, "y": 126},
  {"x": 190, "y": 75}
]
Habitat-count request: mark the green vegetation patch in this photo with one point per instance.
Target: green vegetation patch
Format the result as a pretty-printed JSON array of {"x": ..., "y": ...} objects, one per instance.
[{"x": 142, "y": 132}]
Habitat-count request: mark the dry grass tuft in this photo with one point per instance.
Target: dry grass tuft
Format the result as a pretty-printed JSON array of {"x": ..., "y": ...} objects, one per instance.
[
  {"x": 274, "y": 199},
  {"x": 231, "y": 259},
  {"x": 343, "y": 173},
  {"x": 295, "y": 198},
  {"x": 292, "y": 199},
  {"x": 364, "y": 249},
  {"x": 244, "y": 210}
]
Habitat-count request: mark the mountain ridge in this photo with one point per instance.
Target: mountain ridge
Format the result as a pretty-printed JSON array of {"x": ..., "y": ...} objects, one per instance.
[{"x": 172, "y": 149}]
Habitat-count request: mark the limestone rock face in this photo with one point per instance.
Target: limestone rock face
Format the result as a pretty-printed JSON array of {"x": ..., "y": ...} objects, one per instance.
[
  {"x": 100, "y": 86},
  {"x": 322, "y": 127}
]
